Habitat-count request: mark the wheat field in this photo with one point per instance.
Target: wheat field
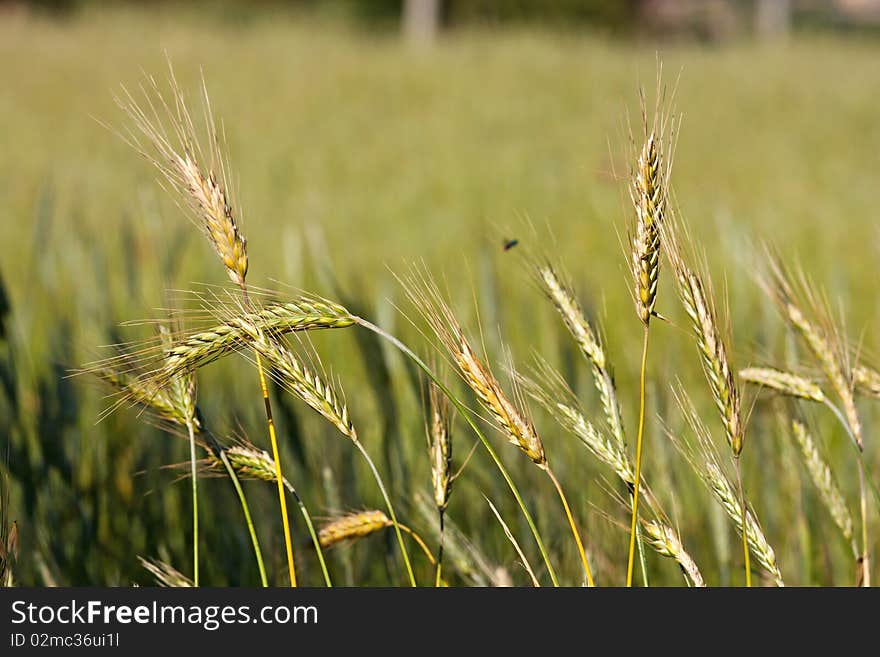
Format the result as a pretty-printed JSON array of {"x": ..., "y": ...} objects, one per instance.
[{"x": 475, "y": 200}]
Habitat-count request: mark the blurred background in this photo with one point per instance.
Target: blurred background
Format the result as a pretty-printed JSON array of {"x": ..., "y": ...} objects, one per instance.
[{"x": 366, "y": 135}]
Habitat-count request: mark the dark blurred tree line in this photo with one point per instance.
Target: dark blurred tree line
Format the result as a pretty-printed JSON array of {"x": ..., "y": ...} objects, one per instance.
[{"x": 711, "y": 20}]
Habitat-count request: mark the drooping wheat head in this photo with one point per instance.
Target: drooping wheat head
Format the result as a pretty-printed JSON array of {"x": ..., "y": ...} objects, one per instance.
[
  {"x": 699, "y": 304},
  {"x": 867, "y": 381},
  {"x": 551, "y": 391},
  {"x": 704, "y": 459},
  {"x": 513, "y": 422},
  {"x": 825, "y": 482},
  {"x": 589, "y": 344},
  {"x": 787, "y": 383},
  {"x": 821, "y": 335},
  {"x": 352, "y": 526}
]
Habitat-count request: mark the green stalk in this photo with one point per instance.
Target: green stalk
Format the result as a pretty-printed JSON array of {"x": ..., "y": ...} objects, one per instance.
[
  {"x": 635, "y": 510},
  {"x": 467, "y": 416},
  {"x": 312, "y": 534},
  {"x": 195, "y": 499},
  {"x": 409, "y": 570},
  {"x": 247, "y": 516},
  {"x": 742, "y": 504}
]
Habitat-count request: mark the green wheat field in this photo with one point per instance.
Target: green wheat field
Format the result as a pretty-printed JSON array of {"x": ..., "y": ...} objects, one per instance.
[{"x": 477, "y": 200}]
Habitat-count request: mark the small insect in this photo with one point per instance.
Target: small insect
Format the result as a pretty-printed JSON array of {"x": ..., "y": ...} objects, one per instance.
[{"x": 509, "y": 244}]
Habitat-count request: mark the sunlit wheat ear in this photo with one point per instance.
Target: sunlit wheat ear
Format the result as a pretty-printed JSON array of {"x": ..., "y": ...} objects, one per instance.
[
  {"x": 248, "y": 461},
  {"x": 195, "y": 169},
  {"x": 588, "y": 342},
  {"x": 515, "y": 424},
  {"x": 165, "y": 574},
  {"x": 649, "y": 192},
  {"x": 822, "y": 337},
  {"x": 787, "y": 383},
  {"x": 825, "y": 483},
  {"x": 352, "y": 526},
  {"x": 294, "y": 375},
  {"x": 551, "y": 391},
  {"x": 698, "y": 300},
  {"x": 206, "y": 346},
  {"x": 705, "y": 461},
  {"x": 667, "y": 542},
  {"x": 867, "y": 381},
  {"x": 440, "y": 445}
]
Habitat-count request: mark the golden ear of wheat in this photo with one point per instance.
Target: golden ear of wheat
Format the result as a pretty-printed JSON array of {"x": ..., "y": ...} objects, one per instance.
[
  {"x": 352, "y": 526},
  {"x": 515, "y": 423}
]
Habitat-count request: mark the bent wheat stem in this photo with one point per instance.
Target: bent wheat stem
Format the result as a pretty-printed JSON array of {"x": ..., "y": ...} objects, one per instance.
[
  {"x": 288, "y": 545},
  {"x": 195, "y": 497},
  {"x": 635, "y": 506},
  {"x": 397, "y": 527},
  {"x": 574, "y": 530},
  {"x": 247, "y": 516}
]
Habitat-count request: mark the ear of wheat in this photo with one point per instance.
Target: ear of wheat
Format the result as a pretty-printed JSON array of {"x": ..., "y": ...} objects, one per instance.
[
  {"x": 352, "y": 526},
  {"x": 440, "y": 445},
  {"x": 512, "y": 421},
  {"x": 704, "y": 460},
  {"x": 197, "y": 173},
  {"x": 787, "y": 383},
  {"x": 822, "y": 339},
  {"x": 867, "y": 381},
  {"x": 206, "y": 346},
  {"x": 589, "y": 343},
  {"x": 649, "y": 198},
  {"x": 555, "y": 396},
  {"x": 699, "y": 305},
  {"x": 824, "y": 481},
  {"x": 166, "y": 575},
  {"x": 667, "y": 542}
]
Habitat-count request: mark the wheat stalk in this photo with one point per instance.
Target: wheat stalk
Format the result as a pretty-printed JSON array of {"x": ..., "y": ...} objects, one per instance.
[
  {"x": 179, "y": 157},
  {"x": 825, "y": 483},
  {"x": 787, "y": 383}
]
